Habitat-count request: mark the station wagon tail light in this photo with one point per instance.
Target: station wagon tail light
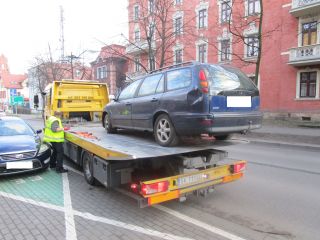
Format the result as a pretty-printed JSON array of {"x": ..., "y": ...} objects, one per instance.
[
  {"x": 239, "y": 167},
  {"x": 147, "y": 189},
  {"x": 203, "y": 81}
]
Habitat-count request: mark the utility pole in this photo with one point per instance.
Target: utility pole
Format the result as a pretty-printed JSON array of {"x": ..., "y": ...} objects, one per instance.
[{"x": 62, "y": 32}]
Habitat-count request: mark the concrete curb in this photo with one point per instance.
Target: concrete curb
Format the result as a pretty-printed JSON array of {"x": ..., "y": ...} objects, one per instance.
[{"x": 287, "y": 144}]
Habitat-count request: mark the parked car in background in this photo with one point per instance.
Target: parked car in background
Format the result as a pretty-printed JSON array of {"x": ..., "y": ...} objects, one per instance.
[
  {"x": 21, "y": 149},
  {"x": 188, "y": 99}
]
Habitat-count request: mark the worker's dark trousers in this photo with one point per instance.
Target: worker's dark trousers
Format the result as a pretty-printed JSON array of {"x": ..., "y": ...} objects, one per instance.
[{"x": 56, "y": 159}]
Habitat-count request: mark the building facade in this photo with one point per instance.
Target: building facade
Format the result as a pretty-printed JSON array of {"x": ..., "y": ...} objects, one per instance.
[
  {"x": 110, "y": 67},
  {"x": 227, "y": 32}
]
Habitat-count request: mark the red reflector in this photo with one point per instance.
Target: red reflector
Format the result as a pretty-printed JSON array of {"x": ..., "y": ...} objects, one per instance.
[
  {"x": 134, "y": 187},
  {"x": 202, "y": 76},
  {"x": 158, "y": 187},
  {"x": 239, "y": 167}
]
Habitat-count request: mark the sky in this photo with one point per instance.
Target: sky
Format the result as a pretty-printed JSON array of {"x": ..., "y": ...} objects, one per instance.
[{"x": 29, "y": 27}]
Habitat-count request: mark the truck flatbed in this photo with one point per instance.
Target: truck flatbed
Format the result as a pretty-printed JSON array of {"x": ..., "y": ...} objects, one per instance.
[{"x": 129, "y": 145}]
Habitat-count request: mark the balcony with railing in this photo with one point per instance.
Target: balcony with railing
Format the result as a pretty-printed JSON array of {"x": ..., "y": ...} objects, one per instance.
[
  {"x": 139, "y": 47},
  {"x": 304, "y": 56},
  {"x": 301, "y": 8}
]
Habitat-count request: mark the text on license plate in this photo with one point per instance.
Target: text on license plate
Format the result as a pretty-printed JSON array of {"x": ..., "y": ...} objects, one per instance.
[
  {"x": 191, "y": 179},
  {"x": 20, "y": 165}
]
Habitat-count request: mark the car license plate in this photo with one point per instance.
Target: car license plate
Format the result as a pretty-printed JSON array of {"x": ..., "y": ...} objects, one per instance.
[
  {"x": 20, "y": 165},
  {"x": 191, "y": 179},
  {"x": 238, "y": 101}
]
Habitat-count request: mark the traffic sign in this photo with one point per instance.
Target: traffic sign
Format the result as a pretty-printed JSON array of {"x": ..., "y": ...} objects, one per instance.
[{"x": 18, "y": 100}]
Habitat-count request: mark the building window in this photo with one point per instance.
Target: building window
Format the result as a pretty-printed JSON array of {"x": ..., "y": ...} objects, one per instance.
[
  {"x": 136, "y": 12},
  {"x": 137, "y": 35},
  {"x": 225, "y": 11},
  {"x": 178, "y": 25},
  {"x": 178, "y": 2},
  {"x": 253, "y": 7},
  {"x": 78, "y": 73},
  {"x": 202, "y": 18},
  {"x": 178, "y": 56},
  {"x": 225, "y": 50},
  {"x": 101, "y": 72},
  {"x": 308, "y": 83},
  {"x": 252, "y": 44},
  {"x": 151, "y": 6},
  {"x": 309, "y": 33},
  {"x": 137, "y": 64},
  {"x": 202, "y": 53}
]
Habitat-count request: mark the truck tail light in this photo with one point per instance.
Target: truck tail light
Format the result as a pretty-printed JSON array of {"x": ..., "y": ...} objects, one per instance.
[
  {"x": 239, "y": 167},
  {"x": 203, "y": 81},
  {"x": 152, "y": 188}
]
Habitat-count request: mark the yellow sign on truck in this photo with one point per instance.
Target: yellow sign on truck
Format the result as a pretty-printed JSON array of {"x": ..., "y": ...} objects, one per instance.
[{"x": 77, "y": 99}]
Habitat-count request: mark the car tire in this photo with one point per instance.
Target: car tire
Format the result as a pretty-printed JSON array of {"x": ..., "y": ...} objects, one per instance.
[
  {"x": 87, "y": 164},
  {"x": 164, "y": 132},
  {"x": 107, "y": 124},
  {"x": 222, "y": 137}
]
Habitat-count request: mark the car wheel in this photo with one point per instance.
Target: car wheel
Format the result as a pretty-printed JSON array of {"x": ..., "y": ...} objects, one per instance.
[
  {"x": 222, "y": 137},
  {"x": 88, "y": 168},
  {"x": 107, "y": 124},
  {"x": 164, "y": 131}
]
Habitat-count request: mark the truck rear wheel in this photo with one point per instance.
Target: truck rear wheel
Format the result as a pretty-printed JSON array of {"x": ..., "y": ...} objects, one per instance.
[
  {"x": 164, "y": 131},
  {"x": 108, "y": 126},
  {"x": 87, "y": 164}
]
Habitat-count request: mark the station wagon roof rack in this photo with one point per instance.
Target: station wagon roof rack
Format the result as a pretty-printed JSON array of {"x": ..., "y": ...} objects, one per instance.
[{"x": 189, "y": 63}]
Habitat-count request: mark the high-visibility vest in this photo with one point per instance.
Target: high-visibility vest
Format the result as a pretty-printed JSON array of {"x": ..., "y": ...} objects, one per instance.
[{"x": 49, "y": 135}]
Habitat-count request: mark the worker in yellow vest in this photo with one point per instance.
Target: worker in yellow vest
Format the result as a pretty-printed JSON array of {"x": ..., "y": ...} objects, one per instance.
[{"x": 54, "y": 134}]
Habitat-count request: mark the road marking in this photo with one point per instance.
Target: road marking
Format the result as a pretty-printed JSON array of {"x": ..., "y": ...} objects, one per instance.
[
  {"x": 129, "y": 226},
  {"x": 31, "y": 201},
  {"x": 91, "y": 217},
  {"x": 198, "y": 223},
  {"x": 71, "y": 233}
]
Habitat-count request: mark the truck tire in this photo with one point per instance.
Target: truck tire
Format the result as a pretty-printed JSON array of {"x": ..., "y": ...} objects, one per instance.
[
  {"x": 108, "y": 126},
  {"x": 87, "y": 164},
  {"x": 164, "y": 132}
]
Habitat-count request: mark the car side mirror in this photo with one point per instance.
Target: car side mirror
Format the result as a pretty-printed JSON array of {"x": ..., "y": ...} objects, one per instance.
[
  {"x": 39, "y": 131},
  {"x": 112, "y": 98}
]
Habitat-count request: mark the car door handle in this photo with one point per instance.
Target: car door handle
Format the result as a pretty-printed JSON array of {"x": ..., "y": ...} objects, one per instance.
[
  {"x": 154, "y": 100},
  {"x": 128, "y": 104}
]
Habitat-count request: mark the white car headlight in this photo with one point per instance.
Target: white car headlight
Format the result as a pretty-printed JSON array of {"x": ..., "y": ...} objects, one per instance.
[{"x": 44, "y": 147}]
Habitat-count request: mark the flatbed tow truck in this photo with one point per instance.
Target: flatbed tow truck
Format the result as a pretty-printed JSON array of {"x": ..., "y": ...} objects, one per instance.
[{"x": 134, "y": 164}]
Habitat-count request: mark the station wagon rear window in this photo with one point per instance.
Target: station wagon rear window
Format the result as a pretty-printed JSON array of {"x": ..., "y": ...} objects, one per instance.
[
  {"x": 180, "y": 78},
  {"x": 228, "y": 78}
]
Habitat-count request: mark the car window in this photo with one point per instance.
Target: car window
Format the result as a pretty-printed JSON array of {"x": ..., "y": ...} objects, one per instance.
[
  {"x": 160, "y": 87},
  {"x": 228, "y": 78},
  {"x": 149, "y": 85},
  {"x": 129, "y": 91},
  {"x": 13, "y": 127},
  {"x": 178, "y": 78}
]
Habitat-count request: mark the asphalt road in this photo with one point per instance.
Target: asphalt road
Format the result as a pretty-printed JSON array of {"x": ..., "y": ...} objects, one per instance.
[{"x": 279, "y": 197}]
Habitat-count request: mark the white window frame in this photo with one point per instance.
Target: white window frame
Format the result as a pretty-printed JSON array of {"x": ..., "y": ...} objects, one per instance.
[
  {"x": 102, "y": 72},
  {"x": 200, "y": 7},
  {"x": 219, "y": 2},
  {"x": 199, "y": 43},
  {"x": 176, "y": 3},
  {"x": 136, "y": 6},
  {"x": 250, "y": 32},
  {"x": 225, "y": 36},
  {"x": 151, "y": 10},
  {"x": 307, "y": 20},
  {"x": 176, "y": 15},
  {"x": 317, "y": 97},
  {"x": 246, "y": 9},
  {"x": 136, "y": 38},
  {"x": 136, "y": 65}
]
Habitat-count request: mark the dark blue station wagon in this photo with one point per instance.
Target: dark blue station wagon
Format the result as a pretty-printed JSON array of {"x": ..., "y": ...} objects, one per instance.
[{"x": 189, "y": 99}]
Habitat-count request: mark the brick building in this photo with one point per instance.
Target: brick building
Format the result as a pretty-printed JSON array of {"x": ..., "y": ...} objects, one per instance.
[
  {"x": 110, "y": 67},
  {"x": 10, "y": 84},
  {"x": 226, "y": 32}
]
